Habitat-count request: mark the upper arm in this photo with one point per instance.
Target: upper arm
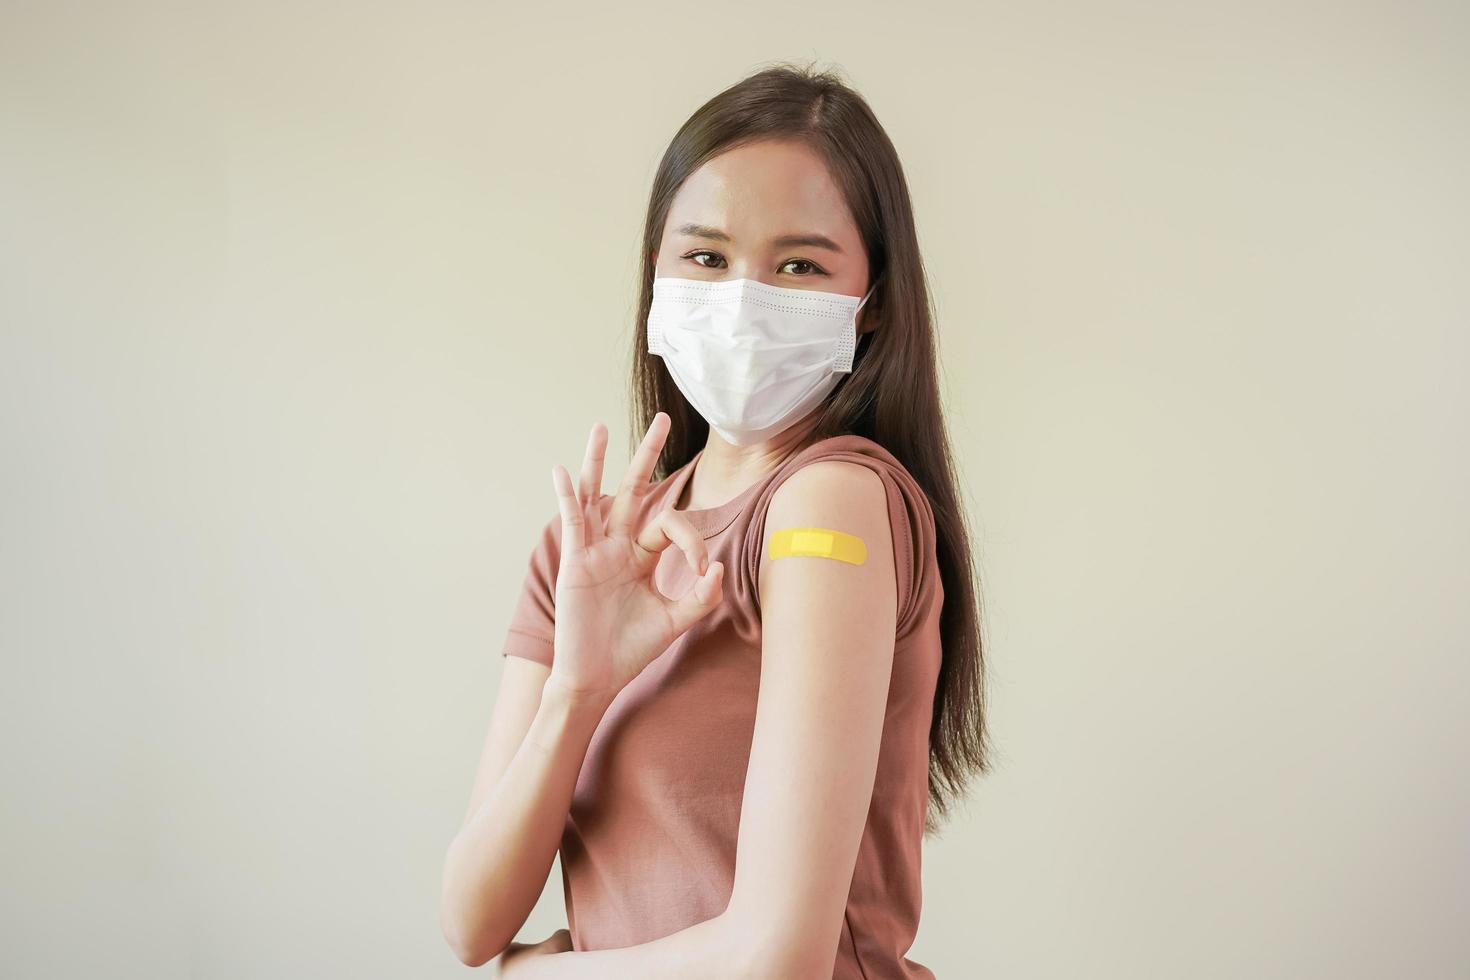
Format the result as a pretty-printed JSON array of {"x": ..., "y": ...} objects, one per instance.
[
  {"x": 826, "y": 659},
  {"x": 533, "y": 619}
]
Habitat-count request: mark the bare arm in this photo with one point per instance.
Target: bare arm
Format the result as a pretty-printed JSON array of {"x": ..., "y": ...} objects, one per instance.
[
  {"x": 827, "y": 656},
  {"x": 609, "y": 622},
  {"x": 498, "y": 863}
]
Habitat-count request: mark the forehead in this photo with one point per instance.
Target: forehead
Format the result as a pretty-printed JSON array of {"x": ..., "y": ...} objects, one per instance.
[{"x": 761, "y": 190}]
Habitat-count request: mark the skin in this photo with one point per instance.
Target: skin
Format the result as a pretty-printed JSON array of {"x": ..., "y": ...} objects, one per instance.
[{"x": 827, "y": 651}]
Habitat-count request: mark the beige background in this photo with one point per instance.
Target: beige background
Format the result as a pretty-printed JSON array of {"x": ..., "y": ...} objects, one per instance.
[{"x": 300, "y": 303}]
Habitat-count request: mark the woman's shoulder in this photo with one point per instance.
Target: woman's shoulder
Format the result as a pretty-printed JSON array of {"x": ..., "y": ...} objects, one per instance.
[
  {"x": 847, "y": 442},
  {"x": 910, "y": 514},
  {"x": 845, "y": 447},
  {"x": 904, "y": 488}
]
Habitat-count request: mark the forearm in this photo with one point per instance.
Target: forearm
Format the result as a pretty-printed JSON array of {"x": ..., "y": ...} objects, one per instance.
[
  {"x": 497, "y": 865},
  {"x": 712, "y": 949}
]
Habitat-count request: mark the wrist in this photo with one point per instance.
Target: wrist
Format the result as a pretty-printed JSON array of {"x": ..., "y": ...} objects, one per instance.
[
  {"x": 564, "y": 718},
  {"x": 573, "y": 701}
]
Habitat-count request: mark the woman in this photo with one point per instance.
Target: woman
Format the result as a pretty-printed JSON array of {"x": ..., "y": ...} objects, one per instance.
[{"x": 815, "y": 693}]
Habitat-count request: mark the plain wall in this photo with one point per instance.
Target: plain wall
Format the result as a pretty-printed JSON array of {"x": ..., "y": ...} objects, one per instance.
[{"x": 299, "y": 304}]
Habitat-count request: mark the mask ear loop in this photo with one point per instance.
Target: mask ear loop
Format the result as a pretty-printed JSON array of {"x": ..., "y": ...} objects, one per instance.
[
  {"x": 849, "y": 348},
  {"x": 855, "y": 310}
]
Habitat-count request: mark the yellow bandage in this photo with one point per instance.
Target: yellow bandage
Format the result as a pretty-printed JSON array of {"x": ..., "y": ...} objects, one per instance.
[{"x": 818, "y": 542}]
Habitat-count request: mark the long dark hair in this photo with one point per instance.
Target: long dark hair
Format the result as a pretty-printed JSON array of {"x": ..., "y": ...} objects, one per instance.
[{"x": 892, "y": 394}]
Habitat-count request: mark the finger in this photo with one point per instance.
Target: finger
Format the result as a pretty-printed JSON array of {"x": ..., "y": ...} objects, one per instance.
[
  {"x": 635, "y": 482},
  {"x": 671, "y": 527},
  {"x": 572, "y": 522},
  {"x": 590, "y": 486},
  {"x": 701, "y": 599}
]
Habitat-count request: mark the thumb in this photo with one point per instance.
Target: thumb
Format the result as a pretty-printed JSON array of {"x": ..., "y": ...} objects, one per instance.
[{"x": 706, "y": 593}]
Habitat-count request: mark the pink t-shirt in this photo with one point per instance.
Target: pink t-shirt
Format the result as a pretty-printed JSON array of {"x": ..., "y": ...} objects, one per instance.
[{"x": 649, "y": 844}]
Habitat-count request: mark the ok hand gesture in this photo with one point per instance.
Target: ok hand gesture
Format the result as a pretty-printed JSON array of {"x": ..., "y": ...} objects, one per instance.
[{"x": 611, "y": 620}]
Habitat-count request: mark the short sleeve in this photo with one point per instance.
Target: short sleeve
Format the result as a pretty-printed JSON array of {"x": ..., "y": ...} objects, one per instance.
[
  {"x": 533, "y": 620},
  {"x": 910, "y": 517}
]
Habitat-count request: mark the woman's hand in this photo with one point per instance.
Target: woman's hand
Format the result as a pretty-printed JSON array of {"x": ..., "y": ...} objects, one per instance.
[
  {"x": 505, "y": 964},
  {"x": 611, "y": 620}
]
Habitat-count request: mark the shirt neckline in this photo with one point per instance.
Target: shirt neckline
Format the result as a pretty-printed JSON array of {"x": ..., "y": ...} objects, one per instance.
[{"x": 709, "y": 521}]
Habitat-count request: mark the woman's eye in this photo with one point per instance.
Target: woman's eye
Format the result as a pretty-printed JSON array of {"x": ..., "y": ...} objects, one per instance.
[
  {"x": 696, "y": 256},
  {"x": 811, "y": 267}
]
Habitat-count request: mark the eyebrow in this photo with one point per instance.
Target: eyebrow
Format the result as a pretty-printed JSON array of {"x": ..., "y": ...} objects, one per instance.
[{"x": 811, "y": 239}]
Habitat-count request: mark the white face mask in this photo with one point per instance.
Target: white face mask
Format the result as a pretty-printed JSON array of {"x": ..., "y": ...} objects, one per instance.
[{"x": 752, "y": 359}]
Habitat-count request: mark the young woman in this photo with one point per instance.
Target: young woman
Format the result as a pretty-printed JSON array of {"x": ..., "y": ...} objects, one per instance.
[{"x": 739, "y": 779}]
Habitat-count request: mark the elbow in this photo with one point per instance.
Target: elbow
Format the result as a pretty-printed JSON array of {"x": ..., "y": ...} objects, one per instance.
[
  {"x": 466, "y": 927},
  {"x": 467, "y": 942}
]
